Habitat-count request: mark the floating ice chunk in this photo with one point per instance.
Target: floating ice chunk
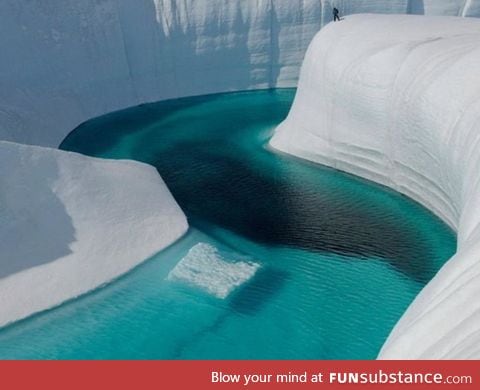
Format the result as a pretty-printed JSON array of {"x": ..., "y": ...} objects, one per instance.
[{"x": 218, "y": 273}]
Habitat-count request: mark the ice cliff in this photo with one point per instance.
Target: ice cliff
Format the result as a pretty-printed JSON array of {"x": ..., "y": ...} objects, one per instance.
[
  {"x": 70, "y": 223},
  {"x": 396, "y": 99},
  {"x": 63, "y": 62}
]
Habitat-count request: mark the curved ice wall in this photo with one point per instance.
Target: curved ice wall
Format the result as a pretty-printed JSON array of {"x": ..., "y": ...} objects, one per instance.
[
  {"x": 403, "y": 108},
  {"x": 65, "y": 61}
]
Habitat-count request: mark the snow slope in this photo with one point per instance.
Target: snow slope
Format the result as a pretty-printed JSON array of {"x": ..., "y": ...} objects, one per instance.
[
  {"x": 403, "y": 109},
  {"x": 65, "y": 61},
  {"x": 70, "y": 223}
]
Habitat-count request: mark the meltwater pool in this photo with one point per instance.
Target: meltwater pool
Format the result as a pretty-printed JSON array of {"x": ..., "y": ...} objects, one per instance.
[{"x": 284, "y": 259}]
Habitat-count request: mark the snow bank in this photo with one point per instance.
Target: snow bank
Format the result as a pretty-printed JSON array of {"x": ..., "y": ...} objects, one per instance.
[
  {"x": 403, "y": 109},
  {"x": 70, "y": 223},
  {"x": 64, "y": 62}
]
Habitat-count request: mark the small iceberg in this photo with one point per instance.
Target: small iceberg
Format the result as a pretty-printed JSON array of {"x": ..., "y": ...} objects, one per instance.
[{"x": 215, "y": 272}]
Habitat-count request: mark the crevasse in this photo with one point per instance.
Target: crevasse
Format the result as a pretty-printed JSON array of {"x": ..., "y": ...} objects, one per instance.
[{"x": 395, "y": 101}]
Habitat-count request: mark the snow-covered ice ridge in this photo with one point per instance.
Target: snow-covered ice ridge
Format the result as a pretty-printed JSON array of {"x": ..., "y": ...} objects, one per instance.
[
  {"x": 396, "y": 99},
  {"x": 70, "y": 223},
  {"x": 66, "y": 61}
]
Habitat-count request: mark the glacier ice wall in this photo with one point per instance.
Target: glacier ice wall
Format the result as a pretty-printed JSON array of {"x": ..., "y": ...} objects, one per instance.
[
  {"x": 70, "y": 223},
  {"x": 403, "y": 109},
  {"x": 63, "y": 62}
]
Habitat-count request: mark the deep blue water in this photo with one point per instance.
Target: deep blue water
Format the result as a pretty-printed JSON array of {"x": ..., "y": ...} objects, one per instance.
[{"x": 340, "y": 258}]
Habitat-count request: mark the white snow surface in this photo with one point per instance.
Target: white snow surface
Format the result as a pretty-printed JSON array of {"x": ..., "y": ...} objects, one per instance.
[
  {"x": 63, "y": 62},
  {"x": 70, "y": 223},
  {"x": 218, "y": 273},
  {"x": 396, "y": 99}
]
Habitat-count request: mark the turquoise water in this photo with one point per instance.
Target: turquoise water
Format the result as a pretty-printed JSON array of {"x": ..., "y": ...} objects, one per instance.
[{"x": 340, "y": 258}]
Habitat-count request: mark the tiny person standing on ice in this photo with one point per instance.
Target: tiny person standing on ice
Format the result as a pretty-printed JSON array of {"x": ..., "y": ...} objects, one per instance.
[{"x": 335, "y": 14}]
